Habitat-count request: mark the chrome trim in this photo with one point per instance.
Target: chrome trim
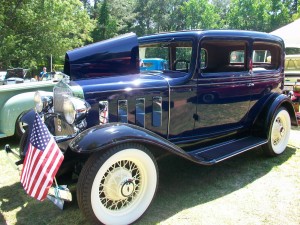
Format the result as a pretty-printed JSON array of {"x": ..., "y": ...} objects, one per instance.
[
  {"x": 157, "y": 111},
  {"x": 79, "y": 106},
  {"x": 103, "y": 112},
  {"x": 123, "y": 111},
  {"x": 134, "y": 89},
  {"x": 140, "y": 112},
  {"x": 60, "y": 91}
]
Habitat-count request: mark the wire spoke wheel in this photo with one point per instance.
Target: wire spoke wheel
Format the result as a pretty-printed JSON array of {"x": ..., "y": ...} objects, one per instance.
[{"x": 118, "y": 186}]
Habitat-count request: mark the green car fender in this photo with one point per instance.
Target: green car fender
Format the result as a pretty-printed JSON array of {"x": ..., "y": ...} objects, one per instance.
[{"x": 11, "y": 111}]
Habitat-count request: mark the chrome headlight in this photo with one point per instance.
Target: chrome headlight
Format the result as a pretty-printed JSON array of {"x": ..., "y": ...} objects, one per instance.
[
  {"x": 75, "y": 109},
  {"x": 38, "y": 102},
  {"x": 43, "y": 101}
]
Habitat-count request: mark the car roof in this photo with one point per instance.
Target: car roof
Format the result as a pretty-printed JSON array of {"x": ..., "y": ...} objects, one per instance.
[{"x": 220, "y": 33}]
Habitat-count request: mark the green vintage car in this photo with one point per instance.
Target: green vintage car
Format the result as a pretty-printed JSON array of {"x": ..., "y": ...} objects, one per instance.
[{"x": 18, "y": 98}]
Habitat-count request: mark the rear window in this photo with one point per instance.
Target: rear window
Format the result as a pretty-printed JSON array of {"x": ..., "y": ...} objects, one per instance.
[
  {"x": 220, "y": 56},
  {"x": 266, "y": 56}
]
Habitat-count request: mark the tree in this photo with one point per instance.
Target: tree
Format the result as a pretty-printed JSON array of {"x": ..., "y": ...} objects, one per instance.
[
  {"x": 222, "y": 8},
  {"x": 260, "y": 15},
  {"x": 200, "y": 14},
  {"x": 109, "y": 23},
  {"x": 32, "y": 30}
]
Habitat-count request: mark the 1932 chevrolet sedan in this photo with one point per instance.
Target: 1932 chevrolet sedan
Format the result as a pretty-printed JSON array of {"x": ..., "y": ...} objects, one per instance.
[{"x": 218, "y": 96}]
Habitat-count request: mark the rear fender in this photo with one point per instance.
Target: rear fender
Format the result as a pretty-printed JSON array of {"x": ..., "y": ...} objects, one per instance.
[{"x": 263, "y": 121}]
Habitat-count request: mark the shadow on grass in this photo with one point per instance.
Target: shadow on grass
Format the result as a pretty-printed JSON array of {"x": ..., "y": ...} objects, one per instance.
[
  {"x": 30, "y": 211},
  {"x": 20, "y": 209},
  {"x": 183, "y": 185}
]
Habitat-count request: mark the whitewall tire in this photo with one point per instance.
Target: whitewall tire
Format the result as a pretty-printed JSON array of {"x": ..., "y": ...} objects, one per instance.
[
  {"x": 279, "y": 133},
  {"x": 117, "y": 187}
]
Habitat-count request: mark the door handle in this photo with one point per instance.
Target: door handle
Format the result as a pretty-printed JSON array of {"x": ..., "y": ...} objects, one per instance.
[{"x": 250, "y": 84}]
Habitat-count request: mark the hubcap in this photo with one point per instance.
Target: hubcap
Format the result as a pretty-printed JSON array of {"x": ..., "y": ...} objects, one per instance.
[
  {"x": 279, "y": 131},
  {"x": 127, "y": 188},
  {"x": 23, "y": 127},
  {"x": 120, "y": 185}
]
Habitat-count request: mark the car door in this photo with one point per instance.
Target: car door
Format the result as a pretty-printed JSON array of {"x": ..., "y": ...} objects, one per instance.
[{"x": 223, "y": 86}]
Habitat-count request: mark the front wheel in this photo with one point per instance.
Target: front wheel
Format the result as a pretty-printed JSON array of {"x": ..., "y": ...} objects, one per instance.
[
  {"x": 279, "y": 133},
  {"x": 117, "y": 187},
  {"x": 20, "y": 127}
]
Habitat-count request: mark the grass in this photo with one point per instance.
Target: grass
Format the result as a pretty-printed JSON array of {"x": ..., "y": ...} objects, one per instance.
[{"x": 247, "y": 189}]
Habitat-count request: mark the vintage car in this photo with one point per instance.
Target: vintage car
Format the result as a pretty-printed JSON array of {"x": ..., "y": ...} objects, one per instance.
[
  {"x": 17, "y": 76},
  {"x": 16, "y": 99},
  {"x": 113, "y": 122},
  {"x": 153, "y": 64}
]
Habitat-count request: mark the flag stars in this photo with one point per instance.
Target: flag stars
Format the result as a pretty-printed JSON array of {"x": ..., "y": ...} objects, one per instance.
[{"x": 40, "y": 135}]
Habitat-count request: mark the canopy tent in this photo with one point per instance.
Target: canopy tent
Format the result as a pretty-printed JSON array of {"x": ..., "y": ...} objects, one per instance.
[{"x": 290, "y": 34}]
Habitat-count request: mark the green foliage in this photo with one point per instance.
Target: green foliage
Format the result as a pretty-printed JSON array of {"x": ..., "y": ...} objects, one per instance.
[
  {"x": 109, "y": 23},
  {"x": 200, "y": 14},
  {"x": 260, "y": 15},
  {"x": 32, "y": 30}
]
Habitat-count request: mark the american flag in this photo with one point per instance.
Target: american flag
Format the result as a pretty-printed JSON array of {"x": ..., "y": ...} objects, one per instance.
[{"x": 42, "y": 161}]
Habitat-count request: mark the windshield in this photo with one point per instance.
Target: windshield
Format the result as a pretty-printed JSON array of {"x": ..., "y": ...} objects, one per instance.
[
  {"x": 16, "y": 73},
  {"x": 166, "y": 56}
]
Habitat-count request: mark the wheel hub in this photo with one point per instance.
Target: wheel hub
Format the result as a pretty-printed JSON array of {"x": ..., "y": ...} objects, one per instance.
[
  {"x": 279, "y": 131},
  {"x": 127, "y": 188},
  {"x": 118, "y": 184}
]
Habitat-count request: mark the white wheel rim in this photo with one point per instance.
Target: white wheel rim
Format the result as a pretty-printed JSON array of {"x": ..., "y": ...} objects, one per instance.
[
  {"x": 124, "y": 187},
  {"x": 280, "y": 131},
  {"x": 22, "y": 126}
]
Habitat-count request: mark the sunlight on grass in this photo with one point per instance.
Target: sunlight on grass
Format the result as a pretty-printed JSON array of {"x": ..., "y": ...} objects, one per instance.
[{"x": 245, "y": 190}]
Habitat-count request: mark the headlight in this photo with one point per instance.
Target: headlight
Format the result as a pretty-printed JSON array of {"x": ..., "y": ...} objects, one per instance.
[
  {"x": 42, "y": 101},
  {"x": 75, "y": 109},
  {"x": 38, "y": 102}
]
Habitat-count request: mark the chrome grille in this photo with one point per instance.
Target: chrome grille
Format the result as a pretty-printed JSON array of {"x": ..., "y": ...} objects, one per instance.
[{"x": 60, "y": 92}]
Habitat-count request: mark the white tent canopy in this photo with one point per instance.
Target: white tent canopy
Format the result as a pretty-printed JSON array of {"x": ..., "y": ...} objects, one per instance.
[{"x": 290, "y": 34}]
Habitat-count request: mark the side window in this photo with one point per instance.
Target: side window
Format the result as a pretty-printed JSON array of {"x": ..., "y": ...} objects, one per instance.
[
  {"x": 183, "y": 59},
  {"x": 168, "y": 55},
  {"x": 266, "y": 56},
  {"x": 223, "y": 56}
]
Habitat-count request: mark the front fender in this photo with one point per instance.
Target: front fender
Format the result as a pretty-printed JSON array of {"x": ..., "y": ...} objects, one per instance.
[
  {"x": 12, "y": 109},
  {"x": 104, "y": 136},
  {"x": 265, "y": 118}
]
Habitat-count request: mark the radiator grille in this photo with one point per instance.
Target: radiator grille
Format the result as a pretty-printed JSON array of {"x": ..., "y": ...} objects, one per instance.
[{"x": 60, "y": 92}]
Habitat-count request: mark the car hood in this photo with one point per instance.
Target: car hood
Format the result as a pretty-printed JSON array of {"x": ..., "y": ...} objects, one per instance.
[
  {"x": 128, "y": 83},
  {"x": 116, "y": 56}
]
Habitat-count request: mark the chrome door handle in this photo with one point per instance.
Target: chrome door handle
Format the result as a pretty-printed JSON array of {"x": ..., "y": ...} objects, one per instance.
[{"x": 250, "y": 84}]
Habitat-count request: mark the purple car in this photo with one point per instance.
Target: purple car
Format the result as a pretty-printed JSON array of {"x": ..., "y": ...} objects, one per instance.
[{"x": 209, "y": 102}]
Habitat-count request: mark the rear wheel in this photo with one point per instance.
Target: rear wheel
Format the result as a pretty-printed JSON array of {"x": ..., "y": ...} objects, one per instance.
[
  {"x": 279, "y": 133},
  {"x": 117, "y": 187}
]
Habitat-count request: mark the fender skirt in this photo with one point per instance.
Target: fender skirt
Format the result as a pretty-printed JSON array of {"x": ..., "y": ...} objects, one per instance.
[{"x": 104, "y": 136}]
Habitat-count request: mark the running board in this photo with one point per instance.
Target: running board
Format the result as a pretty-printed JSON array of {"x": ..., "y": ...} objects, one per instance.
[{"x": 222, "y": 151}]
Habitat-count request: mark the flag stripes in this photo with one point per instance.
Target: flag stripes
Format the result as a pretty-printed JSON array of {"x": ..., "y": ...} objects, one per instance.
[{"x": 42, "y": 161}]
